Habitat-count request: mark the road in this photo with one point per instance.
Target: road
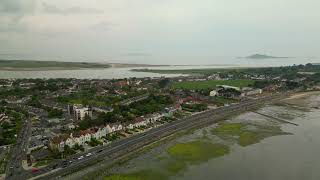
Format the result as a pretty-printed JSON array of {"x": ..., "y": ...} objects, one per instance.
[
  {"x": 134, "y": 99},
  {"x": 19, "y": 152},
  {"x": 124, "y": 146}
]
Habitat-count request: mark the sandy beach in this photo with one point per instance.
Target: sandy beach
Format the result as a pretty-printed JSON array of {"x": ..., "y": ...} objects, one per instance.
[{"x": 302, "y": 95}]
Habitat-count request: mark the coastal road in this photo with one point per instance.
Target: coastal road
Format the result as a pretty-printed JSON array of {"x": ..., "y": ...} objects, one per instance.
[{"x": 124, "y": 146}]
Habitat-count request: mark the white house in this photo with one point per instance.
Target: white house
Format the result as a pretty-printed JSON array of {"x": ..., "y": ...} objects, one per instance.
[
  {"x": 139, "y": 121},
  {"x": 153, "y": 117},
  {"x": 213, "y": 93},
  {"x": 79, "y": 112},
  {"x": 116, "y": 127},
  {"x": 108, "y": 129},
  {"x": 251, "y": 92},
  {"x": 83, "y": 136}
]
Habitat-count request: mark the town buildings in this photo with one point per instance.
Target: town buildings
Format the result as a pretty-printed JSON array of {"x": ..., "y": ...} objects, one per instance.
[{"x": 78, "y": 112}]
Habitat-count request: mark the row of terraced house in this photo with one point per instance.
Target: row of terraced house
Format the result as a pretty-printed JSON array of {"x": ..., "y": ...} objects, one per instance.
[{"x": 84, "y": 136}]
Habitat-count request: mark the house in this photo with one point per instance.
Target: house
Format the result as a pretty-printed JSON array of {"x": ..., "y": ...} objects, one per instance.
[
  {"x": 58, "y": 142},
  {"x": 70, "y": 126},
  {"x": 26, "y": 85},
  {"x": 169, "y": 111},
  {"x": 115, "y": 127},
  {"x": 214, "y": 77},
  {"x": 3, "y": 117},
  {"x": 271, "y": 88},
  {"x": 120, "y": 92},
  {"x": 78, "y": 112},
  {"x": 228, "y": 87},
  {"x": 251, "y": 92},
  {"x": 98, "y": 133},
  {"x": 213, "y": 93},
  {"x": 80, "y": 137},
  {"x": 228, "y": 91},
  {"x": 138, "y": 82},
  {"x": 130, "y": 126},
  {"x": 139, "y": 121},
  {"x": 83, "y": 136},
  {"x": 188, "y": 99},
  {"x": 122, "y": 83},
  {"x": 108, "y": 129},
  {"x": 152, "y": 118}
]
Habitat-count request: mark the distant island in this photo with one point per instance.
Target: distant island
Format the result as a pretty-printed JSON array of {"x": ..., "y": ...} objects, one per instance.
[
  {"x": 263, "y": 56},
  {"x": 31, "y": 65}
]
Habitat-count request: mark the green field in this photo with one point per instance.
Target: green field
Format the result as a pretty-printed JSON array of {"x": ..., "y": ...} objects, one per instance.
[
  {"x": 42, "y": 163},
  {"x": 46, "y": 65},
  {"x": 210, "y": 84}
]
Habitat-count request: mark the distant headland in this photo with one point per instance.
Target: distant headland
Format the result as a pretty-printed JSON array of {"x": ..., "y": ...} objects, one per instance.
[
  {"x": 36, "y": 65},
  {"x": 31, "y": 65}
]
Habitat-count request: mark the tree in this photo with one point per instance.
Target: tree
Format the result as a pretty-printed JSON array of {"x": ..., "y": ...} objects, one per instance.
[
  {"x": 68, "y": 151},
  {"x": 164, "y": 83},
  {"x": 55, "y": 113},
  {"x": 229, "y": 92},
  {"x": 3, "y": 103}
]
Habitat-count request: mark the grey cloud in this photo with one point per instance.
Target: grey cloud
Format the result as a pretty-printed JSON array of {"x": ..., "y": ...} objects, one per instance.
[
  {"x": 11, "y": 12},
  {"x": 52, "y": 9},
  {"x": 14, "y": 27},
  {"x": 17, "y": 7},
  {"x": 102, "y": 26}
]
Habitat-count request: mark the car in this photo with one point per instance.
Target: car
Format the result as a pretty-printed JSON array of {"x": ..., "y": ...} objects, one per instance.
[
  {"x": 54, "y": 166},
  {"x": 89, "y": 154},
  {"x": 81, "y": 157},
  {"x": 34, "y": 170}
]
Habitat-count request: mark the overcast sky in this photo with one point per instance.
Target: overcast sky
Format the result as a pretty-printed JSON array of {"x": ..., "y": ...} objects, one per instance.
[{"x": 157, "y": 31}]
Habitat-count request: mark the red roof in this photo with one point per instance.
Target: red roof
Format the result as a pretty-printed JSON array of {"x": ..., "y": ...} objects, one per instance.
[
  {"x": 189, "y": 98},
  {"x": 83, "y": 133},
  {"x": 138, "y": 119},
  {"x": 59, "y": 139},
  {"x": 122, "y": 83}
]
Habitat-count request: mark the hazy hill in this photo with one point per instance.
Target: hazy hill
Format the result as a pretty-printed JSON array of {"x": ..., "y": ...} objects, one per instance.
[{"x": 263, "y": 56}]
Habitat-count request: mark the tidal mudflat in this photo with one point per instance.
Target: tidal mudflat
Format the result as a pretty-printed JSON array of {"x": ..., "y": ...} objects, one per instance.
[{"x": 248, "y": 146}]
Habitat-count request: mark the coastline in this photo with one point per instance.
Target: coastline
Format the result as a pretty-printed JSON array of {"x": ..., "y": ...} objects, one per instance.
[
  {"x": 48, "y": 69},
  {"x": 302, "y": 95}
]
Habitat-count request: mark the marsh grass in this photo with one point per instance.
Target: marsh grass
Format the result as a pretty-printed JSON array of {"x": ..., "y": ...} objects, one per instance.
[
  {"x": 243, "y": 135},
  {"x": 139, "y": 175},
  {"x": 197, "y": 151}
]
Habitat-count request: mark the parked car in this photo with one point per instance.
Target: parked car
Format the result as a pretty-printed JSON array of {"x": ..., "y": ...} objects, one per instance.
[{"x": 81, "y": 157}]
